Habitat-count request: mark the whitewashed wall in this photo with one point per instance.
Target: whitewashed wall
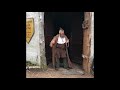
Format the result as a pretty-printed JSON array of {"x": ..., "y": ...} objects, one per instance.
[
  {"x": 36, "y": 48},
  {"x": 92, "y": 37}
]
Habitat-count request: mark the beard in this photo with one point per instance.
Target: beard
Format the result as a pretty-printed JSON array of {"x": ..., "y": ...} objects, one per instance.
[{"x": 62, "y": 35}]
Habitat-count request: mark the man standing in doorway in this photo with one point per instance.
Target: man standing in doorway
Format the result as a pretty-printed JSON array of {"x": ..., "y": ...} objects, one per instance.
[{"x": 59, "y": 45}]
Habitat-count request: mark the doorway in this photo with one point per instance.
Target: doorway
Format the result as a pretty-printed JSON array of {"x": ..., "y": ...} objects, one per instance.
[{"x": 71, "y": 22}]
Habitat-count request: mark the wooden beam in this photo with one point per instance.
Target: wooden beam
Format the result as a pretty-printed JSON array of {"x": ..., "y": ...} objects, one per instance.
[{"x": 86, "y": 42}]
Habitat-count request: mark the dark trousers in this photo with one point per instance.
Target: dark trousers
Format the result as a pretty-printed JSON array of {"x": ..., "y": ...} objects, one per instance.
[{"x": 65, "y": 63}]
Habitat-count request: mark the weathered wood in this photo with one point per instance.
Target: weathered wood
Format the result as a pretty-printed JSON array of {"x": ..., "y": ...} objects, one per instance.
[{"x": 86, "y": 42}]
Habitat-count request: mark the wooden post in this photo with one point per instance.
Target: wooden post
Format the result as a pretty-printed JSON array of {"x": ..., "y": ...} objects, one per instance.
[{"x": 86, "y": 41}]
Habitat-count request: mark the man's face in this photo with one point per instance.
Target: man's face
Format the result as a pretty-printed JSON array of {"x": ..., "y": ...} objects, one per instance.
[{"x": 61, "y": 33}]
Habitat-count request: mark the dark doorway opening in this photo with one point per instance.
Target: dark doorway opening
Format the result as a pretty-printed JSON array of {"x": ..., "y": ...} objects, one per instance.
[{"x": 71, "y": 22}]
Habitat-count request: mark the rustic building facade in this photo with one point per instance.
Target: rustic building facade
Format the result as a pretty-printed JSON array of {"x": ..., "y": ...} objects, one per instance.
[
  {"x": 81, "y": 26},
  {"x": 35, "y": 49}
]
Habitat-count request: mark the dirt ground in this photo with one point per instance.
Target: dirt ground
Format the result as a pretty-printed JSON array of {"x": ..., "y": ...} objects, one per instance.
[{"x": 76, "y": 72}]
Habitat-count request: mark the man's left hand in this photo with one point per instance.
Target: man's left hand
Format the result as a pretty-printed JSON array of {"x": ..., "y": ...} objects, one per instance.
[{"x": 67, "y": 41}]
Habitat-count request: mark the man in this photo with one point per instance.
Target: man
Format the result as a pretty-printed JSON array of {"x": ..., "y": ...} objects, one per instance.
[{"x": 58, "y": 45}]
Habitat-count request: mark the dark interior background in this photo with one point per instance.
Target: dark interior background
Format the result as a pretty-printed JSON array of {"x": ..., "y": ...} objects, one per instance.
[{"x": 71, "y": 22}]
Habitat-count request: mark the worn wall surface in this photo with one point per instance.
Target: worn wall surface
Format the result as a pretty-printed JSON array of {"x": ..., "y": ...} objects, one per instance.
[
  {"x": 92, "y": 37},
  {"x": 35, "y": 52}
]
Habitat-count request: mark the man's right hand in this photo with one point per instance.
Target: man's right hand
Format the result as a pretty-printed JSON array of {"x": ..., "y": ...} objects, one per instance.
[{"x": 52, "y": 43}]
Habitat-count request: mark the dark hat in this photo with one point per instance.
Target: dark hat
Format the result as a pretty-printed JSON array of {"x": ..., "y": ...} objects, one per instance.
[{"x": 61, "y": 29}]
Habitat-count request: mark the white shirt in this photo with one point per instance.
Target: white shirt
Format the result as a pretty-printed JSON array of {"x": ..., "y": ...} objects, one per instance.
[{"x": 61, "y": 40}]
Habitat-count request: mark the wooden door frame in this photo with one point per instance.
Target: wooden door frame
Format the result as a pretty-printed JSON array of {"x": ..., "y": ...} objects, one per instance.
[{"x": 86, "y": 42}]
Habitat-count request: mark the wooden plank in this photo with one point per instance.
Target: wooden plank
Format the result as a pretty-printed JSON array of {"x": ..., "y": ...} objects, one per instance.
[{"x": 86, "y": 43}]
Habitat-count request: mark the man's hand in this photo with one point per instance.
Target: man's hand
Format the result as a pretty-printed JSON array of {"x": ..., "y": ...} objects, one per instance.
[
  {"x": 52, "y": 43},
  {"x": 67, "y": 41}
]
